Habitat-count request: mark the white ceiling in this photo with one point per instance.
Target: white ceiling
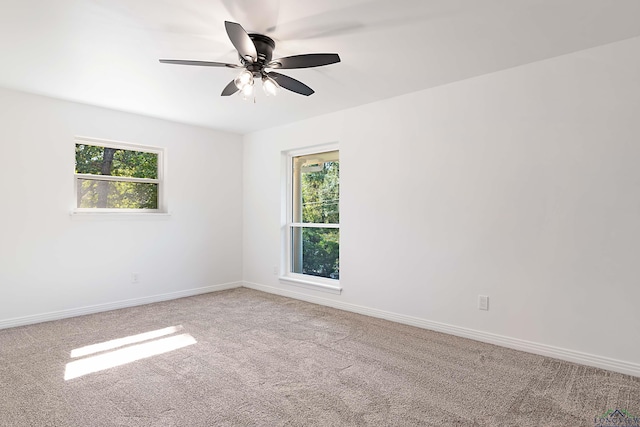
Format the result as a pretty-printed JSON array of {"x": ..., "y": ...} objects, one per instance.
[{"x": 105, "y": 52}]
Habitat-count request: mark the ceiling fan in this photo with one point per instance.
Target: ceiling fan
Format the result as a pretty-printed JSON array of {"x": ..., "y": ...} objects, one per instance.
[{"x": 255, "y": 52}]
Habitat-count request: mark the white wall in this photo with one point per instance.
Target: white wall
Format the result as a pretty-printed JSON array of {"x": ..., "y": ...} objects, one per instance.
[
  {"x": 50, "y": 262},
  {"x": 523, "y": 185}
]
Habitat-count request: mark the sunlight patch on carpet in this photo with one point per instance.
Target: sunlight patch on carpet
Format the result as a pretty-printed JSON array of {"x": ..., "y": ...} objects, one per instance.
[
  {"x": 126, "y": 355},
  {"x": 121, "y": 342}
]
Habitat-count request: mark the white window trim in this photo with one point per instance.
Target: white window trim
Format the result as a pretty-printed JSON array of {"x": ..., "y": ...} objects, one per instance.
[
  {"x": 316, "y": 284},
  {"x": 302, "y": 280},
  {"x": 162, "y": 210}
]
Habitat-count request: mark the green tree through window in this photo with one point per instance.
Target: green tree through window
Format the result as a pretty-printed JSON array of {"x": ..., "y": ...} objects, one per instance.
[
  {"x": 116, "y": 178},
  {"x": 315, "y": 234}
]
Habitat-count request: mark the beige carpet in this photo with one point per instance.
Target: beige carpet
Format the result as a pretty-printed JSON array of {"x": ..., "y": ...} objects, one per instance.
[{"x": 246, "y": 358}]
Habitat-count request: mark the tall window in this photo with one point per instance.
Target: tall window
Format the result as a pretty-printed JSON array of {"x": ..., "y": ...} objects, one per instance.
[
  {"x": 117, "y": 176},
  {"x": 314, "y": 217}
]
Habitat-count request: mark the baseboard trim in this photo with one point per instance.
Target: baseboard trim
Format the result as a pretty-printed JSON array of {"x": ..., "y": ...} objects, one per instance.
[
  {"x": 98, "y": 308},
  {"x": 620, "y": 366}
]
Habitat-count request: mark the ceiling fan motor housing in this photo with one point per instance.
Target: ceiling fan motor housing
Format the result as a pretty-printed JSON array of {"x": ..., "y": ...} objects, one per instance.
[{"x": 264, "y": 46}]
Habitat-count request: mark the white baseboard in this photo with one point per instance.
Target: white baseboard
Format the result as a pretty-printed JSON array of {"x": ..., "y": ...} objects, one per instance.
[
  {"x": 80, "y": 311},
  {"x": 620, "y": 366}
]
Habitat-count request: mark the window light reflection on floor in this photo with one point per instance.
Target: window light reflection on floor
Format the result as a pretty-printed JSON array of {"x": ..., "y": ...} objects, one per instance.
[
  {"x": 126, "y": 355},
  {"x": 121, "y": 342}
]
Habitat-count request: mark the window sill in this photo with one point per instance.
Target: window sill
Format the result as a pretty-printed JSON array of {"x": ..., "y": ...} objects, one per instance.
[
  {"x": 309, "y": 284},
  {"x": 86, "y": 215}
]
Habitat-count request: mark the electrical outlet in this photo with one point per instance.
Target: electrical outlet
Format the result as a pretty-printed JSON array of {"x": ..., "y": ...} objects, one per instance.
[
  {"x": 483, "y": 302},
  {"x": 135, "y": 277}
]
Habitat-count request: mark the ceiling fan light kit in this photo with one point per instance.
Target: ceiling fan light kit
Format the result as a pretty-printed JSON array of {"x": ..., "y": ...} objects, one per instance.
[{"x": 255, "y": 52}]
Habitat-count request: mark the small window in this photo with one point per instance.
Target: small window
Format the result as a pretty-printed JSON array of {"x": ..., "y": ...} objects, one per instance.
[
  {"x": 117, "y": 177},
  {"x": 314, "y": 215}
]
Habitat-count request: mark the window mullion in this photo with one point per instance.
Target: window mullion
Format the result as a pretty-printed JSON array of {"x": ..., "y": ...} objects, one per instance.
[
  {"x": 313, "y": 225},
  {"x": 116, "y": 178}
]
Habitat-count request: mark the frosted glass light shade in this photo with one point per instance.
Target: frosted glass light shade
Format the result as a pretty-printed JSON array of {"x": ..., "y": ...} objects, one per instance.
[
  {"x": 270, "y": 86},
  {"x": 247, "y": 91},
  {"x": 244, "y": 78}
]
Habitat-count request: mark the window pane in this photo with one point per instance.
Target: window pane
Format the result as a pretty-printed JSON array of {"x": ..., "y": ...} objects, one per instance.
[
  {"x": 316, "y": 188},
  {"x": 91, "y": 159},
  {"x": 117, "y": 195},
  {"x": 315, "y": 251}
]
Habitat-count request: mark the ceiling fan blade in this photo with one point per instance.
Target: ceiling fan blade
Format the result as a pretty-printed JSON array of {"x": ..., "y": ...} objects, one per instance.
[
  {"x": 241, "y": 40},
  {"x": 305, "y": 61},
  {"x": 291, "y": 84},
  {"x": 230, "y": 89},
  {"x": 201, "y": 63}
]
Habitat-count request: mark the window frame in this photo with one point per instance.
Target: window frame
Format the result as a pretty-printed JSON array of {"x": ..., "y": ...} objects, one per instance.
[
  {"x": 119, "y": 145},
  {"x": 288, "y": 276}
]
